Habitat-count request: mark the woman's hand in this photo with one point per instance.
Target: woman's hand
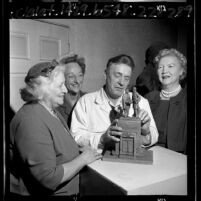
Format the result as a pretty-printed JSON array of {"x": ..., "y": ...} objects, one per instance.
[{"x": 89, "y": 155}]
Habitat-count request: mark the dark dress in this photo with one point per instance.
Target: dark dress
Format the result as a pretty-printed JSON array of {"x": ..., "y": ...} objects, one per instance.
[
  {"x": 39, "y": 144},
  {"x": 66, "y": 109},
  {"x": 171, "y": 119}
]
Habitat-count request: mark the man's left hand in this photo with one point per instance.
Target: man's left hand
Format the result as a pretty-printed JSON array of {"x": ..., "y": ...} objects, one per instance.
[{"x": 145, "y": 122}]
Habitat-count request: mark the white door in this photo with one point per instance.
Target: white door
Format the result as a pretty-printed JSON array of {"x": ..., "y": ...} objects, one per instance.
[{"x": 33, "y": 41}]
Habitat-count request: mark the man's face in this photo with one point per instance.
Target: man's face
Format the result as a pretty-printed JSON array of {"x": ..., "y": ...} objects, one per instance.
[{"x": 117, "y": 79}]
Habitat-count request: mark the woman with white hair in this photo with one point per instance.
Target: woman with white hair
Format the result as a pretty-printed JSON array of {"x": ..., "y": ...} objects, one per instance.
[{"x": 44, "y": 158}]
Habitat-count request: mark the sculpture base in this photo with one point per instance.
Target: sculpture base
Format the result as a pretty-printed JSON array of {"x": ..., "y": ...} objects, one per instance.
[
  {"x": 129, "y": 149},
  {"x": 143, "y": 157}
]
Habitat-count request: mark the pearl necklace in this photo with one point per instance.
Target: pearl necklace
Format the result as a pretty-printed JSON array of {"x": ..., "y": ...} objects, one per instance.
[{"x": 168, "y": 94}]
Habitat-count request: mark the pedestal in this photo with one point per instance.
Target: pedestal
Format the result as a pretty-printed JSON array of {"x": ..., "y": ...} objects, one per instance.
[{"x": 129, "y": 149}]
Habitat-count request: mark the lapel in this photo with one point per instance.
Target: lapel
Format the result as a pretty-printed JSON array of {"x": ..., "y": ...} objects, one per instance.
[
  {"x": 46, "y": 116},
  {"x": 179, "y": 98},
  {"x": 102, "y": 102},
  {"x": 62, "y": 120}
]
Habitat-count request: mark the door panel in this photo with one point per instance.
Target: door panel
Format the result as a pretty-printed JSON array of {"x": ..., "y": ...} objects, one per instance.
[{"x": 33, "y": 41}]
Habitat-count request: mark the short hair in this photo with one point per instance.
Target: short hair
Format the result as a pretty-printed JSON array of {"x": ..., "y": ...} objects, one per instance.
[
  {"x": 173, "y": 52},
  {"x": 74, "y": 59},
  {"x": 32, "y": 92},
  {"x": 121, "y": 59},
  {"x": 153, "y": 50}
]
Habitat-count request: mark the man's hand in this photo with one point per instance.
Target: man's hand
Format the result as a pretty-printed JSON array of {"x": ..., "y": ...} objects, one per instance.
[
  {"x": 145, "y": 122},
  {"x": 112, "y": 134}
]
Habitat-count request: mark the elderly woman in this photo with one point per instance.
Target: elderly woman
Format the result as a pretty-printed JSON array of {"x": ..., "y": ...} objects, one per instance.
[
  {"x": 169, "y": 106},
  {"x": 74, "y": 75},
  {"x": 45, "y": 159}
]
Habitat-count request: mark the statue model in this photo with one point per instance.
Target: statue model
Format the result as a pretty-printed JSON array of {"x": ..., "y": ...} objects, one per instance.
[{"x": 129, "y": 149}]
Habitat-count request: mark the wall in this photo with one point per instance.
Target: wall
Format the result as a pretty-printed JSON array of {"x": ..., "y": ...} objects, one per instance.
[
  {"x": 32, "y": 42},
  {"x": 99, "y": 39}
]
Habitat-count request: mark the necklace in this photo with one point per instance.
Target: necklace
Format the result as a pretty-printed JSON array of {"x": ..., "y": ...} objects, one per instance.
[
  {"x": 168, "y": 94},
  {"x": 50, "y": 110},
  {"x": 54, "y": 114}
]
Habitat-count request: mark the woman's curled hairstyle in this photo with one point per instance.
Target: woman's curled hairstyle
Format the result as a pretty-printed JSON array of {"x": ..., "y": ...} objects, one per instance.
[
  {"x": 34, "y": 78},
  {"x": 173, "y": 52}
]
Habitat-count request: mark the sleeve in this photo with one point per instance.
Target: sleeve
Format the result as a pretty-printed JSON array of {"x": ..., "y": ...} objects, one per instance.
[
  {"x": 144, "y": 104},
  {"x": 80, "y": 124},
  {"x": 36, "y": 149}
]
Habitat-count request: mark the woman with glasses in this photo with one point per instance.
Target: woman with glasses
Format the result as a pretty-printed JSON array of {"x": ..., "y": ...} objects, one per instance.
[
  {"x": 44, "y": 158},
  {"x": 74, "y": 76}
]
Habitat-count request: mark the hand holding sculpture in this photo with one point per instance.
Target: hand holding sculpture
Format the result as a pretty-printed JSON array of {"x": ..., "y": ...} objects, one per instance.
[
  {"x": 112, "y": 134},
  {"x": 145, "y": 121}
]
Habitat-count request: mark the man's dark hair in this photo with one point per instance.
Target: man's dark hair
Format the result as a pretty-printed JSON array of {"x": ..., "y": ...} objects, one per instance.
[
  {"x": 153, "y": 50},
  {"x": 121, "y": 59}
]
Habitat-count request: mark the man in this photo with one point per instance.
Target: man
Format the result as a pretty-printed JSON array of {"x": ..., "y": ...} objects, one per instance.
[
  {"x": 91, "y": 124},
  {"x": 148, "y": 81}
]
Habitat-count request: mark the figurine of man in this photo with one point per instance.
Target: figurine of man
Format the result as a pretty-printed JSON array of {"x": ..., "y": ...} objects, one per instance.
[
  {"x": 136, "y": 99},
  {"x": 126, "y": 102}
]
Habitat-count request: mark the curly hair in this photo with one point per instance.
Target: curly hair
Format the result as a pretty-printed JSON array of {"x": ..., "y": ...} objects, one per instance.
[{"x": 33, "y": 92}]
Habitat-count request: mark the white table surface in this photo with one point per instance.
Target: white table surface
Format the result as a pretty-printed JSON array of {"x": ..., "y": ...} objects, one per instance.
[{"x": 133, "y": 177}]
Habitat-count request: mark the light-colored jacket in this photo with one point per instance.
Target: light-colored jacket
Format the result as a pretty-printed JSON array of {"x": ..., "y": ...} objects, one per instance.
[{"x": 90, "y": 119}]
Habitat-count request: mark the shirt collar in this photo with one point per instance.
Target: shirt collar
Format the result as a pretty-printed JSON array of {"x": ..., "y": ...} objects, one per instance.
[{"x": 105, "y": 97}]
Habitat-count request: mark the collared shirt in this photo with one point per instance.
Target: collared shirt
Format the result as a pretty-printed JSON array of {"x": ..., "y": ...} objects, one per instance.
[
  {"x": 90, "y": 118},
  {"x": 118, "y": 103}
]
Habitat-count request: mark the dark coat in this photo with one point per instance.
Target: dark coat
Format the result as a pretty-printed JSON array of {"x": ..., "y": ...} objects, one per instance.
[
  {"x": 66, "y": 109},
  {"x": 171, "y": 119}
]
